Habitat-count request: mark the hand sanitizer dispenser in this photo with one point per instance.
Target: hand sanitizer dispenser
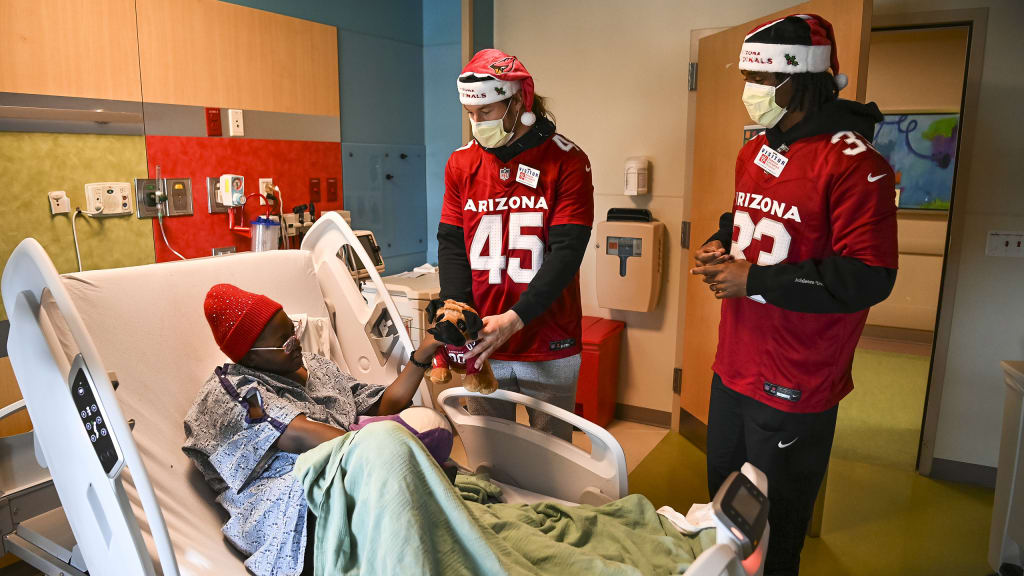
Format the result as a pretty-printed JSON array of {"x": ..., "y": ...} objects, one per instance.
[{"x": 629, "y": 260}]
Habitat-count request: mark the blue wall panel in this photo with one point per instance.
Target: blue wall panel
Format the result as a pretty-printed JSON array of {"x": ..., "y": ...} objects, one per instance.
[
  {"x": 442, "y": 113},
  {"x": 385, "y": 192}
]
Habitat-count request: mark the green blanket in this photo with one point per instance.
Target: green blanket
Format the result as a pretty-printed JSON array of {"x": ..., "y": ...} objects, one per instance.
[{"x": 384, "y": 506}]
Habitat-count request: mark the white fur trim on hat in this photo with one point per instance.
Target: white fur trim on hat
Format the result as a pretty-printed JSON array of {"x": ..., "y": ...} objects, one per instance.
[
  {"x": 785, "y": 58},
  {"x": 528, "y": 118},
  {"x": 487, "y": 91}
]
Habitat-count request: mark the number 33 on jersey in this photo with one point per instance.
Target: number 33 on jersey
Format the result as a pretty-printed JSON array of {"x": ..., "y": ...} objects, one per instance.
[
  {"x": 505, "y": 210},
  {"x": 822, "y": 204}
]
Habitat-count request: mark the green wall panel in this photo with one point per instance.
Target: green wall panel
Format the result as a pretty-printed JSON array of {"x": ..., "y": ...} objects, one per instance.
[{"x": 33, "y": 164}]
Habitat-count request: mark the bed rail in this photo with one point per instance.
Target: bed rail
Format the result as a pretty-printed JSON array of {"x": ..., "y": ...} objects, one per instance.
[
  {"x": 535, "y": 460},
  {"x": 363, "y": 355},
  {"x": 97, "y": 506}
]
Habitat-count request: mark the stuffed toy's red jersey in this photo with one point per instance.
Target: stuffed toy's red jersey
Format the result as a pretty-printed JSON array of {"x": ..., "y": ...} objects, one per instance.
[{"x": 455, "y": 357}]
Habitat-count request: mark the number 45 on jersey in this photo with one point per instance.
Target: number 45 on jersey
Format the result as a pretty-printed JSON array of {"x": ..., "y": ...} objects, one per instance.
[{"x": 489, "y": 234}]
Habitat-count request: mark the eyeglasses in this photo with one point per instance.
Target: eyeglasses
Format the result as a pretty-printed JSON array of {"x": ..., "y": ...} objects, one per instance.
[{"x": 290, "y": 345}]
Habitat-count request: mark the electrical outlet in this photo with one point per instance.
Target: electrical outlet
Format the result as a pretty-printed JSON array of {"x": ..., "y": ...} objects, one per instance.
[
  {"x": 59, "y": 202},
  {"x": 1005, "y": 244},
  {"x": 235, "y": 125},
  {"x": 265, "y": 184}
]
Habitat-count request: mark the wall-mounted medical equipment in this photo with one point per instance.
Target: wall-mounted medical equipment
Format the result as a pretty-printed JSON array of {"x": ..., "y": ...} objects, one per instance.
[
  {"x": 108, "y": 198},
  {"x": 629, "y": 260},
  {"x": 638, "y": 171},
  {"x": 146, "y": 192},
  {"x": 214, "y": 204},
  {"x": 266, "y": 233},
  {"x": 174, "y": 198},
  {"x": 355, "y": 265},
  {"x": 179, "y": 196},
  {"x": 232, "y": 190}
]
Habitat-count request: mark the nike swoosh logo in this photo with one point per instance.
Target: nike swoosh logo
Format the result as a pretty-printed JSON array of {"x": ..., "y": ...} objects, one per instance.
[
  {"x": 781, "y": 445},
  {"x": 876, "y": 178},
  {"x": 588, "y": 168}
]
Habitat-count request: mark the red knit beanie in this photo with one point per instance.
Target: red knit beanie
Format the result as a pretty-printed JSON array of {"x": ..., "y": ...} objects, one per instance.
[{"x": 237, "y": 318}]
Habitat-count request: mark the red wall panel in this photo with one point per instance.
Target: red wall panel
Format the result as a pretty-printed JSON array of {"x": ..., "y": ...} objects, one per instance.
[{"x": 290, "y": 163}]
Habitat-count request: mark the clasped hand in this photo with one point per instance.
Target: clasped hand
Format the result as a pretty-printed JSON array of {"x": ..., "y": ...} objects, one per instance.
[{"x": 725, "y": 276}]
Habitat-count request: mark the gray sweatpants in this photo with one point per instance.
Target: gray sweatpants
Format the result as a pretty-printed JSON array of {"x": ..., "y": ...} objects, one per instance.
[{"x": 553, "y": 382}]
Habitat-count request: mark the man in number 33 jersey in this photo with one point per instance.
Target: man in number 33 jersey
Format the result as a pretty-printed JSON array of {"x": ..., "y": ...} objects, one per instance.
[
  {"x": 518, "y": 209},
  {"x": 808, "y": 248}
]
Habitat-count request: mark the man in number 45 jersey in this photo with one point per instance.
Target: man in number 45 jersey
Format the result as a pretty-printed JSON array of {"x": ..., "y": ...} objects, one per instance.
[
  {"x": 809, "y": 246},
  {"x": 518, "y": 208}
]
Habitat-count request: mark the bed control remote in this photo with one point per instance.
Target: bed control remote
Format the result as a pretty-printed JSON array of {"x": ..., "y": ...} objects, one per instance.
[{"x": 94, "y": 418}]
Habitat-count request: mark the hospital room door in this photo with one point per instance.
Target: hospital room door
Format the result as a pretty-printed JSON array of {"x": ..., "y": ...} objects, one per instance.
[{"x": 718, "y": 134}]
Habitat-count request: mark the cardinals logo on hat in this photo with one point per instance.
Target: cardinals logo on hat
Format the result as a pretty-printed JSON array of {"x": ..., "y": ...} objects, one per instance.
[
  {"x": 493, "y": 76},
  {"x": 506, "y": 64}
]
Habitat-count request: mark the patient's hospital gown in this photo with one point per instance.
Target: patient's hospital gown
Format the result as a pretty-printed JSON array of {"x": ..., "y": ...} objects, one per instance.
[{"x": 253, "y": 480}]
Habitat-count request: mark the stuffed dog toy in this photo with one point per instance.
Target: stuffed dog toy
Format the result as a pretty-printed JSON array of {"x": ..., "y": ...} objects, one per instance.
[{"x": 456, "y": 326}]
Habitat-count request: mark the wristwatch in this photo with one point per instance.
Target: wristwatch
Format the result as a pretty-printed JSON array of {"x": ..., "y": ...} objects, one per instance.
[{"x": 424, "y": 365}]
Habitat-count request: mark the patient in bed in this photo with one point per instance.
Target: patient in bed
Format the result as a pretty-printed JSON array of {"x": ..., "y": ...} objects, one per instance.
[{"x": 253, "y": 417}]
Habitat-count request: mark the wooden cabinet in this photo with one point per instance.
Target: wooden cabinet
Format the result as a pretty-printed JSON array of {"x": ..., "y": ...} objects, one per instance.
[
  {"x": 186, "y": 52},
  {"x": 81, "y": 48},
  {"x": 210, "y": 53}
]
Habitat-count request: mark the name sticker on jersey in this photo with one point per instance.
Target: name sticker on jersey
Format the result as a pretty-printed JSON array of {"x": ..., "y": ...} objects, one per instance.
[
  {"x": 528, "y": 176},
  {"x": 788, "y": 394},
  {"x": 770, "y": 161}
]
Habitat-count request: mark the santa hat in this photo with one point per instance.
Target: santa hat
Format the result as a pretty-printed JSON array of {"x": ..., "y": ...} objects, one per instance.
[
  {"x": 795, "y": 44},
  {"x": 237, "y": 318},
  {"x": 493, "y": 76}
]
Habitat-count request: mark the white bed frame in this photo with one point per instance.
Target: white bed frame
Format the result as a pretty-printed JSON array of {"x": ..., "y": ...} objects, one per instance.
[{"x": 153, "y": 517}]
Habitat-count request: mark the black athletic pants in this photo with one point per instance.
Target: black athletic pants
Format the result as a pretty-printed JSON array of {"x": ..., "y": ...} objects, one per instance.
[{"x": 791, "y": 449}]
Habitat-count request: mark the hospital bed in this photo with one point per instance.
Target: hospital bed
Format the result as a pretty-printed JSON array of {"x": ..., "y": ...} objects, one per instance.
[{"x": 132, "y": 346}]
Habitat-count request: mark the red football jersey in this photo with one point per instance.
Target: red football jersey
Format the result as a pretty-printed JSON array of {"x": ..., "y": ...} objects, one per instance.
[
  {"x": 505, "y": 211},
  {"x": 835, "y": 196}
]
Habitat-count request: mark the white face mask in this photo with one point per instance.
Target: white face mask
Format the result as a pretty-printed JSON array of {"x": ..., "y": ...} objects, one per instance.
[
  {"x": 761, "y": 106},
  {"x": 491, "y": 133}
]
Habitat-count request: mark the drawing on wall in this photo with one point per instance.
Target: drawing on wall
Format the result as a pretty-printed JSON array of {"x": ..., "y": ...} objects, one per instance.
[{"x": 922, "y": 151}]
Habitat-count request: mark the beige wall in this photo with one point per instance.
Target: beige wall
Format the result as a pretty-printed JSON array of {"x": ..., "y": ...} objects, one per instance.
[
  {"x": 917, "y": 70},
  {"x": 902, "y": 63},
  {"x": 615, "y": 73}
]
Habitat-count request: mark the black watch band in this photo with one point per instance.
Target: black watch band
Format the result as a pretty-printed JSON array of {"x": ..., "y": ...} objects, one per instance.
[{"x": 412, "y": 358}]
